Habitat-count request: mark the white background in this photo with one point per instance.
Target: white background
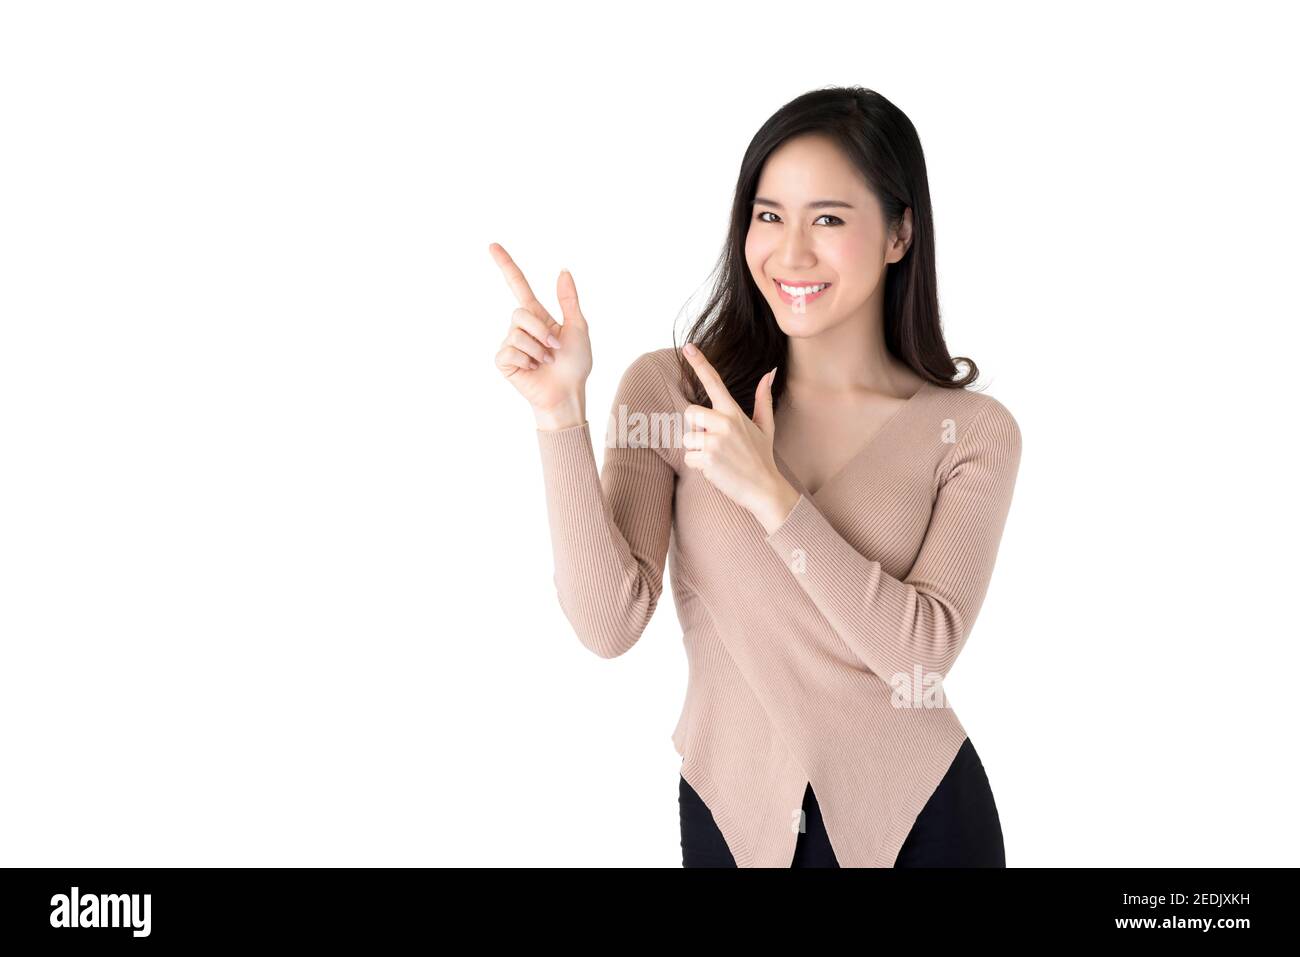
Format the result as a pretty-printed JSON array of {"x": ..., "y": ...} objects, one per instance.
[{"x": 275, "y": 569}]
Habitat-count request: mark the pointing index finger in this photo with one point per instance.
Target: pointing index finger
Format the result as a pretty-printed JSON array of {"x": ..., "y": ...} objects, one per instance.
[
  {"x": 517, "y": 283},
  {"x": 709, "y": 378}
]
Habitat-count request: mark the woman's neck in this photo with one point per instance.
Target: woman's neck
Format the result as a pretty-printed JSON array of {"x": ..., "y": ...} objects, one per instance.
[{"x": 848, "y": 358}]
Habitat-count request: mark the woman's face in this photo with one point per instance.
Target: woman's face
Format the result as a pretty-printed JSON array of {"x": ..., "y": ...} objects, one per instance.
[{"x": 813, "y": 222}]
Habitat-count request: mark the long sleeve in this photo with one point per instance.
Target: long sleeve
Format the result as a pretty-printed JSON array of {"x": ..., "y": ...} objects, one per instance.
[
  {"x": 893, "y": 626},
  {"x": 610, "y": 531}
]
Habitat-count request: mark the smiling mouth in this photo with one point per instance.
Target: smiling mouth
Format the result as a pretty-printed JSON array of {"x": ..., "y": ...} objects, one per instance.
[{"x": 791, "y": 293}]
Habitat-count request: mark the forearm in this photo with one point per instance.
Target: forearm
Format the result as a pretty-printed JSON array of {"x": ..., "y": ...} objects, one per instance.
[
  {"x": 891, "y": 626},
  {"x": 897, "y": 625},
  {"x": 609, "y": 536}
]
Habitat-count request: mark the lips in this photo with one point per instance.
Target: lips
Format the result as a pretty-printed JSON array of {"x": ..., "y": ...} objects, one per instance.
[{"x": 790, "y": 300}]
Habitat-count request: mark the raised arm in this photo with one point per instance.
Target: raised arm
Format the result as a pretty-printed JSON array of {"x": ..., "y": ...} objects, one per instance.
[
  {"x": 891, "y": 625},
  {"x": 610, "y": 530},
  {"x": 610, "y": 533}
]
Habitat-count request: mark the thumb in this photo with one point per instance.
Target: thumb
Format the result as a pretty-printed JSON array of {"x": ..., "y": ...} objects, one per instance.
[
  {"x": 567, "y": 292},
  {"x": 763, "y": 417}
]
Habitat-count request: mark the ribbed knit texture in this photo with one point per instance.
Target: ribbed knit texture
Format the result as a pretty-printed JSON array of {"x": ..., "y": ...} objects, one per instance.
[{"x": 794, "y": 640}]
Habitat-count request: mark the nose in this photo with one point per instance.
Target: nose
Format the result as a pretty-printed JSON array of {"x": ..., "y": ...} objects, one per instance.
[{"x": 796, "y": 251}]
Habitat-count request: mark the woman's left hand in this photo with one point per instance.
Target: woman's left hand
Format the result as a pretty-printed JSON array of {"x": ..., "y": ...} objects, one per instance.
[{"x": 733, "y": 451}]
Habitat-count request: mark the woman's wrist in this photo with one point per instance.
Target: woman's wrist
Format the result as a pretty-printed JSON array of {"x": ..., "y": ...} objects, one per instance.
[
  {"x": 563, "y": 415},
  {"x": 777, "y": 506}
]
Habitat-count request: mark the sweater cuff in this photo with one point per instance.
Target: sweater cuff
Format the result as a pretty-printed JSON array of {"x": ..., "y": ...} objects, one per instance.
[
  {"x": 562, "y": 449},
  {"x": 799, "y": 530}
]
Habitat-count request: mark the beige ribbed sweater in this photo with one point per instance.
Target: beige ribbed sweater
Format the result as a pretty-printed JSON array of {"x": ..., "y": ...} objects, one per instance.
[{"x": 795, "y": 641}]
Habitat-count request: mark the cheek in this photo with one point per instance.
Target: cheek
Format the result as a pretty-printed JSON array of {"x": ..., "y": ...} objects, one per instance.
[
  {"x": 848, "y": 252},
  {"x": 854, "y": 260},
  {"x": 757, "y": 250}
]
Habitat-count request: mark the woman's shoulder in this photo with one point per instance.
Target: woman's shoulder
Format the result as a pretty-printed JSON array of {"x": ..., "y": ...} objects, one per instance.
[
  {"x": 975, "y": 401},
  {"x": 985, "y": 417},
  {"x": 664, "y": 360},
  {"x": 648, "y": 405},
  {"x": 656, "y": 371}
]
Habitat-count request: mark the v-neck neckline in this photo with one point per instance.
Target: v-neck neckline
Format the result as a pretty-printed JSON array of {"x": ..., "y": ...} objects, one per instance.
[{"x": 857, "y": 456}]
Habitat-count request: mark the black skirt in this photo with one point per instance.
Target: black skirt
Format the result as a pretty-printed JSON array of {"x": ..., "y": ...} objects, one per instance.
[{"x": 958, "y": 827}]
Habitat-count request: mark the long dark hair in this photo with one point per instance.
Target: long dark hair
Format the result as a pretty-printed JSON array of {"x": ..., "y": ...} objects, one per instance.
[{"x": 736, "y": 330}]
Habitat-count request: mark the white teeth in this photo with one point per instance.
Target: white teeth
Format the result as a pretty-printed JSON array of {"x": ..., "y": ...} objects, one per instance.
[{"x": 802, "y": 290}]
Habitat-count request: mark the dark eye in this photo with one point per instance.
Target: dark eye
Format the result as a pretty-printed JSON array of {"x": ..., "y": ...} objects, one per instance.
[{"x": 768, "y": 212}]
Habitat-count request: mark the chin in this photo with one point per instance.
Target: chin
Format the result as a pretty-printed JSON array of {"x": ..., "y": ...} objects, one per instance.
[
  {"x": 795, "y": 331},
  {"x": 800, "y": 327}
]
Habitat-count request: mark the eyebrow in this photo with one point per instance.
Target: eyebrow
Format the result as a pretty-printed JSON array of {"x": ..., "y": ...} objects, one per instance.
[{"x": 816, "y": 204}]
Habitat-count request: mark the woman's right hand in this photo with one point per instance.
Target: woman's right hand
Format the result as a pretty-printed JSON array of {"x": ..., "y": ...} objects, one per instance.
[{"x": 556, "y": 386}]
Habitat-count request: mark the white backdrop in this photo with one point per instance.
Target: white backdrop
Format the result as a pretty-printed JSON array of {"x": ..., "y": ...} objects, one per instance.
[{"x": 275, "y": 569}]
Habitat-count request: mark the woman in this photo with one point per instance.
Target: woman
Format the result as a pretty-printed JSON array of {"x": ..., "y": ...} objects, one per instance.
[{"x": 832, "y": 494}]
